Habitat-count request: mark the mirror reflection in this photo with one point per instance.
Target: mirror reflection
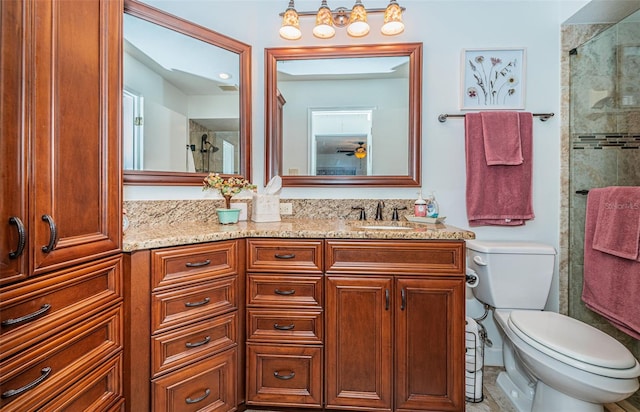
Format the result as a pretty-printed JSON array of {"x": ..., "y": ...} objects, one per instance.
[
  {"x": 345, "y": 115},
  {"x": 345, "y": 104},
  {"x": 181, "y": 102},
  {"x": 186, "y": 100}
]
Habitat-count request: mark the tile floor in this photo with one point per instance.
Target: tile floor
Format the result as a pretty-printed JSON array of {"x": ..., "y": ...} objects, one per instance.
[{"x": 495, "y": 401}]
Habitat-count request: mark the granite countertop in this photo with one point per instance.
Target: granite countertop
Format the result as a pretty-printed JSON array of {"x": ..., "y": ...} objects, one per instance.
[{"x": 155, "y": 236}]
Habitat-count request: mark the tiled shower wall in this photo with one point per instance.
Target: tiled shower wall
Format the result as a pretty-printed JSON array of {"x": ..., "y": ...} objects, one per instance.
[{"x": 604, "y": 140}]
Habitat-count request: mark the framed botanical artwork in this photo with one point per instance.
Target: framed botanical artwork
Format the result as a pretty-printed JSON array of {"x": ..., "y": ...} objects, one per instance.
[{"x": 493, "y": 79}]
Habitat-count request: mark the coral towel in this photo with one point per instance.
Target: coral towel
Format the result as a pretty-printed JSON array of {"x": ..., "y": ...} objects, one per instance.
[
  {"x": 611, "y": 285},
  {"x": 501, "y": 138},
  {"x": 500, "y": 194},
  {"x": 618, "y": 224}
]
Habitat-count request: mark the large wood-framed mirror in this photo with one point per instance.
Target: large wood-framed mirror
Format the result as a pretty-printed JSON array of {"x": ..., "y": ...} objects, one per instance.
[
  {"x": 186, "y": 100},
  {"x": 344, "y": 115}
]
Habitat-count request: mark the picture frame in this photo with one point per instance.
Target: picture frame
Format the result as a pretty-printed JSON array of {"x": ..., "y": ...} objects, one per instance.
[
  {"x": 628, "y": 76},
  {"x": 493, "y": 79}
]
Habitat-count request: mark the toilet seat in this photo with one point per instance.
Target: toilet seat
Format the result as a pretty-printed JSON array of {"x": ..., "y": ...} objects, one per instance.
[{"x": 575, "y": 343}]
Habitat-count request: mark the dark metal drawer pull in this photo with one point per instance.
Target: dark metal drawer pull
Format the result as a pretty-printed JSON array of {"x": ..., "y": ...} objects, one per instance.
[
  {"x": 403, "y": 295},
  {"x": 287, "y": 256},
  {"x": 44, "y": 374},
  {"x": 53, "y": 234},
  {"x": 387, "y": 298},
  {"x": 22, "y": 237},
  {"x": 281, "y": 327},
  {"x": 202, "y": 342},
  {"x": 284, "y": 292},
  {"x": 196, "y": 400},
  {"x": 198, "y": 264},
  {"x": 284, "y": 377},
  {"x": 43, "y": 309},
  {"x": 196, "y": 304}
]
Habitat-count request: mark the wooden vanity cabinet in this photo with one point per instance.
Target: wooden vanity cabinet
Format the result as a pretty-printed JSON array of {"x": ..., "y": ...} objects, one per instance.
[
  {"x": 284, "y": 322},
  {"x": 183, "y": 326},
  {"x": 60, "y": 262},
  {"x": 394, "y": 337}
]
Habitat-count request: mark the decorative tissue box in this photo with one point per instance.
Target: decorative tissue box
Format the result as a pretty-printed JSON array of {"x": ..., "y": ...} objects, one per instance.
[{"x": 265, "y": 208}]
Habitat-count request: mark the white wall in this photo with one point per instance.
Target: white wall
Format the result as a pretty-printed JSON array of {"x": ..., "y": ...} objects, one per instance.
[{"x": 445, "y": 27}]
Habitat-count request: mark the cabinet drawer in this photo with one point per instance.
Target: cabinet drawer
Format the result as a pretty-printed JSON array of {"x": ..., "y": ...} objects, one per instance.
[
  {"x": 208, "y": 385},
  {"x": 59, "y": 362},
  {"x": 284, "y": 326},
  {"x": 284, "y": 375},
  {"x": 275, "y": 255},
  {"x": 290, "y": 291},
  {"x": 413, "y": 257},
  {"x": 101, "y": 390},
  {"x": 182, "y": 265},
  {"x": 38, "y": 308},
  {"x": 174, "y": 349},
  {"x": 186, "y": 305}
]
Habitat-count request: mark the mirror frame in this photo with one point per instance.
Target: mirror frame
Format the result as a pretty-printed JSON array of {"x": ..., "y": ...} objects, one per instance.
[
  {"x": 273, "y": 138},
  {"x": 177, "y": 24}
]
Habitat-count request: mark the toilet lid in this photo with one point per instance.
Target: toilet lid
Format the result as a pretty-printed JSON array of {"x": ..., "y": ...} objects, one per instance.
[{"x": 572, "y": 338}]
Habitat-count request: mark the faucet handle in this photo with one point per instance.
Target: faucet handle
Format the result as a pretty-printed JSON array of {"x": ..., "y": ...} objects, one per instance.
[
  {"x": 394, "y": 215},
  {"x": 363, "y": 214}
]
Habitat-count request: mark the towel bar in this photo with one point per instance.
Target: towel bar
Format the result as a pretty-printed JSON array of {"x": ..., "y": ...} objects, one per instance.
[{"x": 543, "y": 116}]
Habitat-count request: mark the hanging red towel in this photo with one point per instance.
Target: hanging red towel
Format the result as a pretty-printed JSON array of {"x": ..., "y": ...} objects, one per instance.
[
  {"x": 611, "y": 285},
  {"x": 500, "y": 194},
  {"x": 501, "y": 138},
  {"x": 618, "y": 225}
]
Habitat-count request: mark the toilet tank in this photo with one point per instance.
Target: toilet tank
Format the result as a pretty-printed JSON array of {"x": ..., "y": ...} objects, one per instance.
[{"x": 511, "y": 275}]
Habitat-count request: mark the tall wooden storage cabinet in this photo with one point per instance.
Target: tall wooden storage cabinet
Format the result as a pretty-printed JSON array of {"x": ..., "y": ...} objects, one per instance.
[{"x": 60, "y": 262}]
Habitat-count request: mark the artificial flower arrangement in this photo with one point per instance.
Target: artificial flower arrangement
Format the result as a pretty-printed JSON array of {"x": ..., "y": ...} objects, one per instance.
[{"x": 226, "y": 187}]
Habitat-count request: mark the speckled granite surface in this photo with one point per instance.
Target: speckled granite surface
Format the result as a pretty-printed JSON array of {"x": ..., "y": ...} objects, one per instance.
[
  {"x": 166, "y": 223},
  {"x": 155, "y": 236}
]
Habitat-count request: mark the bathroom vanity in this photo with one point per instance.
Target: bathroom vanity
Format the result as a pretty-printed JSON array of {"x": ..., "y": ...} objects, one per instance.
[{"x": 313, "y": 314}]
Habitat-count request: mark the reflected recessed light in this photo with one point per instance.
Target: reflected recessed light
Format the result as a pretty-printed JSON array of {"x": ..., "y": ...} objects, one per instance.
[{"x": 224, "y": 76}]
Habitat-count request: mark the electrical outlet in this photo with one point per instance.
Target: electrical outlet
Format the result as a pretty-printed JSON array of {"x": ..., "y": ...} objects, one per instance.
[{"x": 286, "y": 209}]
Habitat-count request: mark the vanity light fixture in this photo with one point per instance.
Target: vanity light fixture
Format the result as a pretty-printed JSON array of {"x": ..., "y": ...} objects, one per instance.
[{"x": 355, "y": 20}]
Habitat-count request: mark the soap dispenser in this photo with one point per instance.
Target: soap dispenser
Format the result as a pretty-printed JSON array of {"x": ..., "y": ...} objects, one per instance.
[
  {"x": 420, "y": 206},
  {"x": 432, "y": 206}
]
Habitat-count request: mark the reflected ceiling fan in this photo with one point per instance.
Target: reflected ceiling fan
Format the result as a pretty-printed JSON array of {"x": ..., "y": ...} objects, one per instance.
[{"x": 360, "y": 152}]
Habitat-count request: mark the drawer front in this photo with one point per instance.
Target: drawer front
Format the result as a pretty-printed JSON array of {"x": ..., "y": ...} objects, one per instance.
[
  {"x": 39, "y": 308},
  {"x": 55, "y": 364},
  {"x": 290, "y": 291},
  {"x": 208, "y": 385},
  {"x": 175, "y": 349},
  {"x": 404, "y": 257},
  {"x": 285, "y": 326},
  {"x": 284, "y": 375},
  {"x": 186, "y": 305},
  {"x": 188, "y": 264},
  {"x": 101, "y": 390},
  {"x": 275, "y": 255}
]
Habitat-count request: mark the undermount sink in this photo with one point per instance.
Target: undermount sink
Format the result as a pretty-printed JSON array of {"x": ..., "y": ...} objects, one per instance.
[{"x": 383, "y": 227}]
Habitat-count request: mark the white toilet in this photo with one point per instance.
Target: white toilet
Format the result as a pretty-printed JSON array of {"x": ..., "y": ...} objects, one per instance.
[{"x": 553, "y": 362}]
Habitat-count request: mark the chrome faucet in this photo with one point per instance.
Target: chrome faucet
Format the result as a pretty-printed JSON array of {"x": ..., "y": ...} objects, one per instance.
[{"x": 379, "y": 210}]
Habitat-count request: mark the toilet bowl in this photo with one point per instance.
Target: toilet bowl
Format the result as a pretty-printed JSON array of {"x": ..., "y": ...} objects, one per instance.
[
  {"x": 561, "y": 364},
  {"x": 552, "y": 362}
]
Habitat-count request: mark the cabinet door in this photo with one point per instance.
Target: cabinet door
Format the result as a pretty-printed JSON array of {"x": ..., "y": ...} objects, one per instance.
[
  {"x": 13, "y": 170},
  {"x": 74, "y": 162},
  {"x": 358, "y": 342},
  {"x": 429, "y": 344}
]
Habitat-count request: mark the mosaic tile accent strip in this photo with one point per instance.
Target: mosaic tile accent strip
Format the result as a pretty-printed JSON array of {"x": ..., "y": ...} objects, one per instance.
[{"x": 606, "y": 141}]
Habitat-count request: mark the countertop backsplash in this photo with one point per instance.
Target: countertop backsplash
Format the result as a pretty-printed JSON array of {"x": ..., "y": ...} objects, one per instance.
[{"x": 162, "y": 212}]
